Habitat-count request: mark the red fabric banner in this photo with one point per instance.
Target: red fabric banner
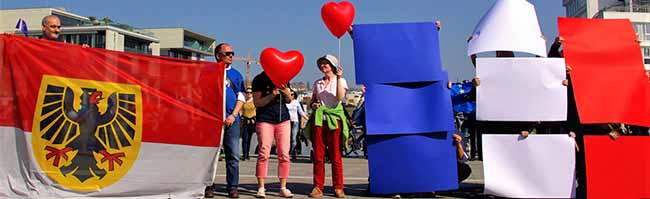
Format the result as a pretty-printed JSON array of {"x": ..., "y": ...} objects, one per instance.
[
  {"x": 181, "y": 100},
  {"x": 618, "y": 168},
  {"x": 607, "y": 73}
]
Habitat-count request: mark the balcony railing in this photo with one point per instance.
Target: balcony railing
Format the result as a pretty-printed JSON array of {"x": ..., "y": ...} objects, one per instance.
[
  {"x": 146, "y": 51},
  {"x": 195, "y": 45},
  {"x": 636, "y": 7},
  {"x": 132, "y": 29},
  {"x": 117, "y": 25},
  {"x": 629, "y": 9}
]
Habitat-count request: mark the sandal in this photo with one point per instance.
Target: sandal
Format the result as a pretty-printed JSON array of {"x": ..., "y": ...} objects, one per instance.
[
  {"x": 316, "y": 193},
  {"x": 339, "y": 193},
  {"x": 285, "y": 193},
  {"x": 261, "y": 193}
]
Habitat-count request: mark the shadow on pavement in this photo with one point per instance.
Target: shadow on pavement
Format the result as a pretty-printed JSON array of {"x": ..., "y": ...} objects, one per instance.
[{"x": 302, "y": 190}]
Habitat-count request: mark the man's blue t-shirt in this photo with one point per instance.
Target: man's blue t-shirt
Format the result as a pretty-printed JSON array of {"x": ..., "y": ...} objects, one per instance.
[{"x": 234, "y": 85}]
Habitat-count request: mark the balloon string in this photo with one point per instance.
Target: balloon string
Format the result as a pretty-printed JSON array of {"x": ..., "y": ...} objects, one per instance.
[{"x": 340, "y": 59}]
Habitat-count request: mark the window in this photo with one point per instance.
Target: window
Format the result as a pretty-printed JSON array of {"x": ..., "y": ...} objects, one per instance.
[
  {"x": 178, "y": 54},
  {"x": 95, "y": 40},
  {"x": 646, "y": 32},
  {"x": 646, "y": 55},
  {"x": 135, "y": 45},
  {"x": 195, "y": 44},
  {"x": 67, "y": 21},
  {"x": 575, "y": 7},
  {"x": 642, "y": 31},
  {"x": 646, "y": 52}
]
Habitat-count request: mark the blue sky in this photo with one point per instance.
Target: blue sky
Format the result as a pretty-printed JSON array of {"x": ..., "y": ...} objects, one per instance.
[{"x": 297, "y": 25}]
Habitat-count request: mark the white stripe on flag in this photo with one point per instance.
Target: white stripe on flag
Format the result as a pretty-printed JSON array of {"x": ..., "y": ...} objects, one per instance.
[{"x": 160, "y": 171}]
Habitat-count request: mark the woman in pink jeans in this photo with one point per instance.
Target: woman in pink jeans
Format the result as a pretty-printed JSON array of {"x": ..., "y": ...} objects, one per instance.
[{"x": 272, "y": 122}]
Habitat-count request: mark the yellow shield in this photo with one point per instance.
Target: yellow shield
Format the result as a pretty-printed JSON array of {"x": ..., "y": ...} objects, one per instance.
[{"x": 86, "y": 134}]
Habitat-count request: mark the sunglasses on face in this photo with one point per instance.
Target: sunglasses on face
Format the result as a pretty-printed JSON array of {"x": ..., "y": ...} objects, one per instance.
[{"x": 228, "y": 53}]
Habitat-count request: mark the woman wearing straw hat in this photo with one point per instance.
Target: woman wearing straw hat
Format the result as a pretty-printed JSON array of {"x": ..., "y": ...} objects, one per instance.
[{"x": 329, "y": 124}]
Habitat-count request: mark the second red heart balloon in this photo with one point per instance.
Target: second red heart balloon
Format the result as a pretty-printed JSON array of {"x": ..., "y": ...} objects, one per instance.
[
  {"x": 281, "y": 67},
  {"x": 338, "y": 17}
]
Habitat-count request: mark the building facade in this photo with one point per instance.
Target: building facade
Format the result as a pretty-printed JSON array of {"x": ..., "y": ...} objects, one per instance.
[
  {"x": 184, "y": 43},
  {"x": 84, "y": 30},
  {"x": 637, "y": 11}
]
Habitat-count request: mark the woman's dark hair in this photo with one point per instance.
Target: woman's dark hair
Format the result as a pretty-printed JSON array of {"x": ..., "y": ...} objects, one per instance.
[
  {"x": 322, "y": 58},
  {"x": 334, "y": 69}
]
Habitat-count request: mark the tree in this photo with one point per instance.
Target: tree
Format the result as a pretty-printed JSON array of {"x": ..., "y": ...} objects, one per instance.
[{"x": 106, "y": 20}]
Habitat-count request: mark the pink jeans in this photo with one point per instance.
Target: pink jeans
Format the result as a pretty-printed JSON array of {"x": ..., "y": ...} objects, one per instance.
[{"x": 265, "y": 134}]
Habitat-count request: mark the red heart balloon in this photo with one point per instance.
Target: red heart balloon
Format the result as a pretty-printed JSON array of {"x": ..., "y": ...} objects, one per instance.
[
  {"x": 338, "y": 17},
  {"x": 281, "y": 67}
]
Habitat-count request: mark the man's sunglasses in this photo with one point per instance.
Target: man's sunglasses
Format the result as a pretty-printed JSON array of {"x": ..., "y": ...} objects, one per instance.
[{"x": 228, "y": 53}]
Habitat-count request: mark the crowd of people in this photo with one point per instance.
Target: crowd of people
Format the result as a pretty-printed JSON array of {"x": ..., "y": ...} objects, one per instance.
[
  {"x": 273, "y": 113},
  {"x": 278, "y": 116},
  {"x": 572, "y": 127}
]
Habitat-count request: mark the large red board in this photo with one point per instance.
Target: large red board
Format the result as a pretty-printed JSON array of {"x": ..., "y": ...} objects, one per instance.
[
  {"x": 609, "y": 79},
  {"x": 618, "y": 168}
]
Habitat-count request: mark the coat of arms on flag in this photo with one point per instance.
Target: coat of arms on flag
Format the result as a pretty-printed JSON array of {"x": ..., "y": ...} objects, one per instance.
[{"x": 87, "y": 133}]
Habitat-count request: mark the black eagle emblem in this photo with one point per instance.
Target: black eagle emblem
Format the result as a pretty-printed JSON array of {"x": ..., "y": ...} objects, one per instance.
[{"x": 86, "y": 130}]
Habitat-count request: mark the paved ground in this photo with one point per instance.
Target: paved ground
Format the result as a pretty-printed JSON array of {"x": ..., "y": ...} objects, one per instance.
[{"x": 356, "y": 180}]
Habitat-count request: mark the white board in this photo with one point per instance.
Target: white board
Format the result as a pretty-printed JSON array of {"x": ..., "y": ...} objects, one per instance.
[
  {"x": 540, "y": 166},
  {"x": 521, "y": 89}
]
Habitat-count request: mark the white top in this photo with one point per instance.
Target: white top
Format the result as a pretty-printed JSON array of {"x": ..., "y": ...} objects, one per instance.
[
  {"x": 295, "y": 110},
  {"x": 327, "y": 93}
]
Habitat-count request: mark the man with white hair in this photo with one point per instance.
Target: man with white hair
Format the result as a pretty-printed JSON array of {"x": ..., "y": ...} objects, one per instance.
[{"x": 51, "y": 27}]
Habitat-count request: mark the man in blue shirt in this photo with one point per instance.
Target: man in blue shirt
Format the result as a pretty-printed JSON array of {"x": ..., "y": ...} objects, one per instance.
[{"x": 234, "y": 101}]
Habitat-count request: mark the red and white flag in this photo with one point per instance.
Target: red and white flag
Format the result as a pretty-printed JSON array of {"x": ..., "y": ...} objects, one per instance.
[{"x": 85, "y": 122}]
